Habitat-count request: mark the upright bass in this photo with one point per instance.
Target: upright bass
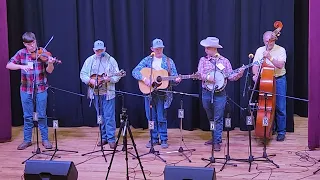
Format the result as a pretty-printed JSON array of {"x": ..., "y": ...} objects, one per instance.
[{"x": 267, "y": 90}]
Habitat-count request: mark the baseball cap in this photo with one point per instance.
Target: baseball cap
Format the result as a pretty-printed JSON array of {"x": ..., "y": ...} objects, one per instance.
[
  {"x": 156, "y": 43},
  {"x": 98, "y": 45}
]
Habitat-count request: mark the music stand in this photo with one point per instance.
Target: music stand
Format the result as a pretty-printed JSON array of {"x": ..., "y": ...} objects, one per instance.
[
  {"x": 55, "y": 122},
  {"x": 181, "y": 116}
]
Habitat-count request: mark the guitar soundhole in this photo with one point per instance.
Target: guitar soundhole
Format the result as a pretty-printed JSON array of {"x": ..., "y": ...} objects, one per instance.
[
  {"x": 155, "y": 84},
  {"x": 159, "y": 79}
]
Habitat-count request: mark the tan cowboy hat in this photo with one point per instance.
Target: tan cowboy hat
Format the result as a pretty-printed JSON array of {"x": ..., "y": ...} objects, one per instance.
[{"x": 211, "y": 42}]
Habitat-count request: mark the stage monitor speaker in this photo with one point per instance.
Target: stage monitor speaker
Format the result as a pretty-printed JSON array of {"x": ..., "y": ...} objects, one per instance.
[
  {"x": 50, "y": 170},
  {"x": 189, "y": 173}
]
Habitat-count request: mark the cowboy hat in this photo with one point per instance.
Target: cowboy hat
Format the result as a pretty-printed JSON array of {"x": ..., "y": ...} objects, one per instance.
[{"x": 211, "y": 42}]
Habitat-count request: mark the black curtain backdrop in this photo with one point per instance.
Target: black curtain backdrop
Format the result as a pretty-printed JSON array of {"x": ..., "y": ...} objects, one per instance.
[{"x": 128, "y": 26}]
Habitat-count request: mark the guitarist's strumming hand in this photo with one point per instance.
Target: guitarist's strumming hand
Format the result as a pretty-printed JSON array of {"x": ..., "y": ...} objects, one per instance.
[{"x": 146, "y": 81}]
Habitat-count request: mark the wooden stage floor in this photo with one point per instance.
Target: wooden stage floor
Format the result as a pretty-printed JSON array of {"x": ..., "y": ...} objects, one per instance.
[{"x": 295, "y": 161}]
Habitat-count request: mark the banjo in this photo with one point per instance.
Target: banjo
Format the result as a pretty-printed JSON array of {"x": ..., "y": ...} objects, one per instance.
[{"x": 221, "y": 78}]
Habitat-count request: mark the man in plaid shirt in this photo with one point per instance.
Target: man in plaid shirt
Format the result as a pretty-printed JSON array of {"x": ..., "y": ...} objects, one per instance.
[
  {"x": 215, "y": 110},
  {"x": 33, "y": 82}
]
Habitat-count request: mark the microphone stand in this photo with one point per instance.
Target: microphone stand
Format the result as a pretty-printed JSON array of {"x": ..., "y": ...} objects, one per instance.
[
  {"x": 181, "y": 116},
  {"x": 151, "y": 123},
  {"x": 55, "y": 122},
  {"x": 228, "y": 127}
]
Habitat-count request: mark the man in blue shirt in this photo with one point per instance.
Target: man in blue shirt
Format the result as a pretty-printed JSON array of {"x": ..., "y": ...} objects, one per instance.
[{"x": 160, "y": 100}]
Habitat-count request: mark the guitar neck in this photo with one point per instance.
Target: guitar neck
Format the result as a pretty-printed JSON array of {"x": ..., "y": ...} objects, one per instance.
[
  {"x": 171, "y": 78},
  {"x": 238, "y": 69}
]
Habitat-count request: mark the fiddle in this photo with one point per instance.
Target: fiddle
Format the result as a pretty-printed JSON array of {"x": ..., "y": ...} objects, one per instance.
[{"x": 44, "y": 55}]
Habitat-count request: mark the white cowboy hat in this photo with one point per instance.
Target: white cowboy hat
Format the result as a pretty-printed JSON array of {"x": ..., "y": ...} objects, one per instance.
[{"x": 211, "y": 42}]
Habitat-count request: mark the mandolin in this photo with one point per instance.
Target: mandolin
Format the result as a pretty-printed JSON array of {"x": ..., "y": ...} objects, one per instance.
[{"x": 102, "y": 78}]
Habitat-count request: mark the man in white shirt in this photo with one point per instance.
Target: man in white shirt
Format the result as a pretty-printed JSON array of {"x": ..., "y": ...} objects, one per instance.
[{"x": 275, "y": 56}]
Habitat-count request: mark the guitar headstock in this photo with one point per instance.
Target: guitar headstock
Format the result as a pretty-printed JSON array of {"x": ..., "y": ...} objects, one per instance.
[
  {"x": 121, "y": 73},
  {"x": 195, "y": 76}
]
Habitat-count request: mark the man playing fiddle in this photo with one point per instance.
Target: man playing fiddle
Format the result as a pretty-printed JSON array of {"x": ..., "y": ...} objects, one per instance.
[
  {"x": 275, "y": 56},
  {"x": 33, "y": 83}
]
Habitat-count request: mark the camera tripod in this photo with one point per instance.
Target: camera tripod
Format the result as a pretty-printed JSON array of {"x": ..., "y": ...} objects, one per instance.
[{"x": 124, "y": 129}]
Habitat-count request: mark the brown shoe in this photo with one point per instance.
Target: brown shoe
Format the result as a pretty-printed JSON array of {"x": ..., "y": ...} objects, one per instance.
[
  {"x": 24, "y": 145},
  {"x": 209, "y": 142},
  {"x": 46, "y": 144},
  {"x": 217, "y": 147},
  {"x": 112, "y": 145},
  {"x": 103, "y": 142}
]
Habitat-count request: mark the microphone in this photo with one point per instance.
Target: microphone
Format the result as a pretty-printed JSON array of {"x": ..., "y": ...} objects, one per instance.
[
  {"x": 251, "y": 56},
  {"x": 103, "y": 54},
  {"x": 217, "y": 55},
  {"x": 152, "y": 54}
]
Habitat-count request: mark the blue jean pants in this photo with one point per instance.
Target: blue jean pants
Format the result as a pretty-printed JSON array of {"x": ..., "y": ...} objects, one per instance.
[
  {"x": 107, "y": 111},
  {"x": 27, "y": 107},
  {"x": 158, "y": 116},
  {"x": 280, "y": 116},
  {"x": 215, "y": 112}
]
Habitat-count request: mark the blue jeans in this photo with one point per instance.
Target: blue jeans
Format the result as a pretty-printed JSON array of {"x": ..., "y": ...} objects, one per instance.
[
  {"x": 280, "y": 116},
  {"x": 158, "y": 116},
  {"x": 107, "y": 111},
  {"x": 215, "y": 112},
  {"x": 27, "y": 107}
]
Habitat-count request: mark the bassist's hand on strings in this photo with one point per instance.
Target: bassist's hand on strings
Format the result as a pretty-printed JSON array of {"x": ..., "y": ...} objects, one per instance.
[
  {"x": 266, "y": 54},
  {"x": 255, "y": 77}
]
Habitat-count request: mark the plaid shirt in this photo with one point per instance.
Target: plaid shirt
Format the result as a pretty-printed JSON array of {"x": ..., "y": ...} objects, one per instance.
[
  {"x": 206, "y": 65},
  {"x": 22, "y": 57}
]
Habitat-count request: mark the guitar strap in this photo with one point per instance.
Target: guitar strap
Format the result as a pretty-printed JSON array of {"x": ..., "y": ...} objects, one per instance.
[
  {"x": 169, "y": 67},
  {"x": 169, "y": 96}
]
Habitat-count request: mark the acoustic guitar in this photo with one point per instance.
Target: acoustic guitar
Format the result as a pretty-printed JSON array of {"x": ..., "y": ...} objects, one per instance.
[
  {"x": 160, "y": 79},
  {"x": 102, "y": 78}
]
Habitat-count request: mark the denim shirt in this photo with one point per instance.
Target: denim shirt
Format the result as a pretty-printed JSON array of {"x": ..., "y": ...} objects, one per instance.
[{"x": 147, "y": 63}]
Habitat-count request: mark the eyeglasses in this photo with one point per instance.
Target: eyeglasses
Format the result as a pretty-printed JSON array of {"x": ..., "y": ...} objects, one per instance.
[{"x": 30, "y": 43}]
